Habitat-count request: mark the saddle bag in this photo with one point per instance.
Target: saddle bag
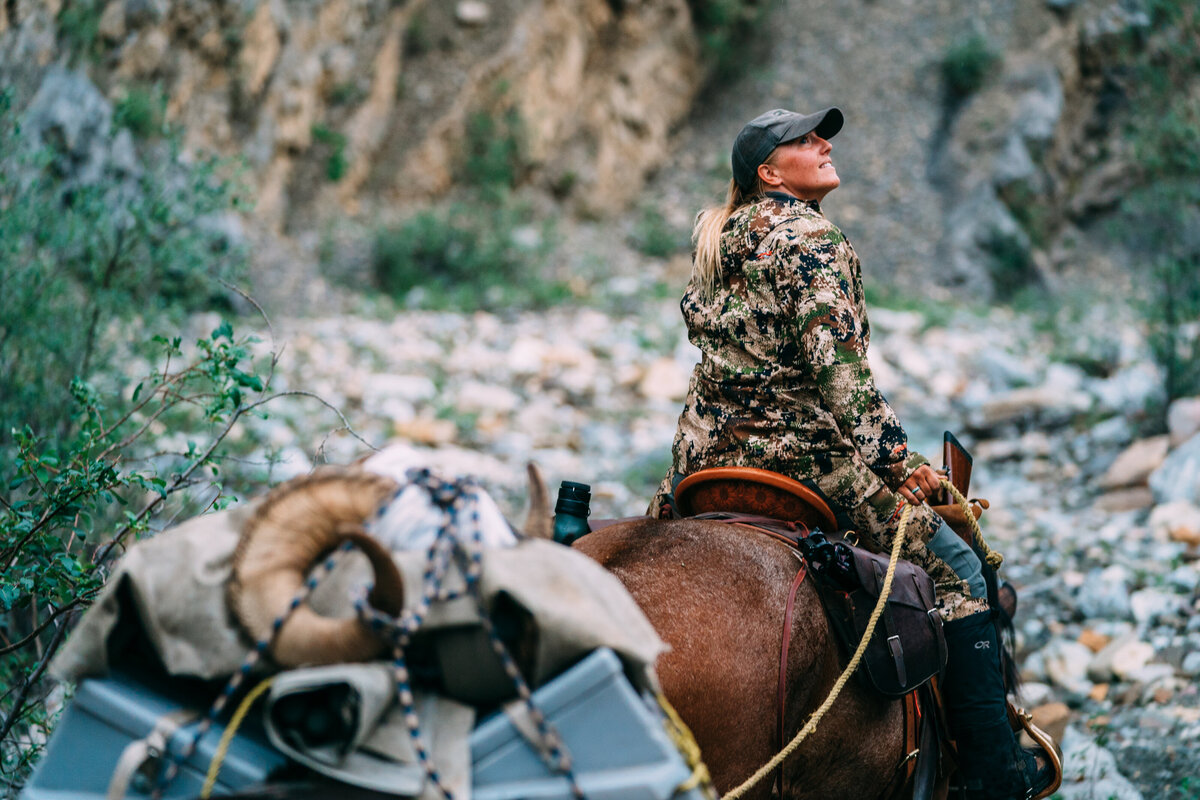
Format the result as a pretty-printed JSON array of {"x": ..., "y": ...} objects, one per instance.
[{"x": 908, "y": 646}]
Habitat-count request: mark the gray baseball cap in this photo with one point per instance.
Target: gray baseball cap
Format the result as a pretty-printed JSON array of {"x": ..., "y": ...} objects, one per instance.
[{"x": 767, "y": 131}]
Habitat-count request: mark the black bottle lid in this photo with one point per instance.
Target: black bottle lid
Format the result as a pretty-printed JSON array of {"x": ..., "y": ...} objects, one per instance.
[{"x": 574, "y": 499}]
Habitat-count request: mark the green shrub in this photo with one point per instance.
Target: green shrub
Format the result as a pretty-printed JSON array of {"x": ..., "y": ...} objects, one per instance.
[
  {"x": 141, "y": 110},
  {"x": 655, "y": 237},
  {"x": 726, "y": 29},
  {"x": 1174, "y": 317},
  {"x": 493, "y": 151},
  {"x": 71, "y": 502},
  {"x": 75, "y": 260},
  {"x": 417, "y": 41},
  {"x": 335, "y": 143},
  {"x": 87, "y": 273},
  {"x": 465, "y": 255},
  {"x": 348, "y": 93},
  {"x": 1010, "y": 263},
  {"x": 1160, "y": 216},
  {"x": 966, "y": 65},
  {"x": 79, "y": 28}
]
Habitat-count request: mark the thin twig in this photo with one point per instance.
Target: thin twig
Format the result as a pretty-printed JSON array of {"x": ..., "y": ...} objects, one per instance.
[
  {"x": 45, "y": 624},
  {"x": 299, "y": 393},
  {"x": 261, "y": 312},
  {"x": 32, "y": 679},
  {"x": 165, "y": 389},
  {"x": 176, "y": 484}
]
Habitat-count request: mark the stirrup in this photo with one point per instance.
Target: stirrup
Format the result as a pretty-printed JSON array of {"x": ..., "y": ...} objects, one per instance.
[{"x": 1022, "y": 720}]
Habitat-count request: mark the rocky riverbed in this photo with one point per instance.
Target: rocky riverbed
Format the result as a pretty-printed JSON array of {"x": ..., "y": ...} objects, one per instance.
[{"x": 1099, "y": 522}]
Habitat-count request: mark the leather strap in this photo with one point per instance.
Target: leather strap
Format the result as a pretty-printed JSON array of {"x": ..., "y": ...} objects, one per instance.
[
  {"x": 902, "y": 774},
  {"x": 926, "y": 767},
  {"x": 893, "y": 636},
  {"x": 140, "y": 751},
  {"x": 783, "y": 659}
]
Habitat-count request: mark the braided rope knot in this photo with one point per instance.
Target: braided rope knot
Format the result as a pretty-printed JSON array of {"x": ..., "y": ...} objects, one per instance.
[{"x": 993, "y": 557}]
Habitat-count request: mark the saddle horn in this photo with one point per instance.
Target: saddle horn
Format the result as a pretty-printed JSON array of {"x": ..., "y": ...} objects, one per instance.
[{"x": 298, "y": 524}]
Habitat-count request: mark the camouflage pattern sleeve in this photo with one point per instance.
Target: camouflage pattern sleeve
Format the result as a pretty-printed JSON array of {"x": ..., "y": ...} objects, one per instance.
[{"x": 819, "y": 286}]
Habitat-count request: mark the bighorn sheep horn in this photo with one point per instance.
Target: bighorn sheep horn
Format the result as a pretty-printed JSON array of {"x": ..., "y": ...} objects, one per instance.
[
  {"x": 298, "y": 524},
  {"x": 539, "y": 524}
]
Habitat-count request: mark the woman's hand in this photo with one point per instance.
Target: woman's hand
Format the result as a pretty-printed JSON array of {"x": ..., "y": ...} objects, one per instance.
[{"x": 923, "y": 484}]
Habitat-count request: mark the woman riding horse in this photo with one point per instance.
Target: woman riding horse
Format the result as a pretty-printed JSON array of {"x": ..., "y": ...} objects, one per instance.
[{"x": 776, "y": 306}]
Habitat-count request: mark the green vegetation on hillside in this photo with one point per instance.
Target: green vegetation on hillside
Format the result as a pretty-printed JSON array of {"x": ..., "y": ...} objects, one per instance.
[
  {"x": 726, "y": 28},
  {"x": 966, "y": 65},
  {"x": 484, "y": 250},
  {"x": 1162, "y": 216},
  {"x": 95, "y": 277}
]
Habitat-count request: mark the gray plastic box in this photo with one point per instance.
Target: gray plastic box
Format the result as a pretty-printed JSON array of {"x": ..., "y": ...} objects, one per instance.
[
  {"x": 108, "y": 714},
  {"x": 619, "y": 747},
  {"x": 616, "y": 737}
]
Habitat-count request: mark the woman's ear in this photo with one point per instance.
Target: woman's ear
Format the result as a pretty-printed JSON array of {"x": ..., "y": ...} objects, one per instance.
[{"x": 769, "y": 175}]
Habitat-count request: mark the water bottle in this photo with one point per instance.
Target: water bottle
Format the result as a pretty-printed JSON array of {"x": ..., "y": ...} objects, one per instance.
[{"x": 571, "y": 511}]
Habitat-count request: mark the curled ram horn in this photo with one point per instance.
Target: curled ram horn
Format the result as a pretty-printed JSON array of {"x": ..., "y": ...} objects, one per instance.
[{"x": 298, "y": 524}]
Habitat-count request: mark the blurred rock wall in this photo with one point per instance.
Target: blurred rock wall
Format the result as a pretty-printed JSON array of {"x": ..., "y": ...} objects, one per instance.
[
  {"x": 366, "y": 108},
  {"x": 341, "y": 106}
]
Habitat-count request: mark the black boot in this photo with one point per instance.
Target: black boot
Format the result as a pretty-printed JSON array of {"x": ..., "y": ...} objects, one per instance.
[{"x": 991, "y": 763}]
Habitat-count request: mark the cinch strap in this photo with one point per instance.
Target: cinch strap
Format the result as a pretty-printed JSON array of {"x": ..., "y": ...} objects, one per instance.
[{"x": 137, "y": 753}]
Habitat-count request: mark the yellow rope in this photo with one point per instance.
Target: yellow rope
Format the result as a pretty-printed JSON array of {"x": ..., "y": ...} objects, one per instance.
[
  {"x": 686, "y": 744},
  {"x": 991, "y": 556},
  {"x": 214, "y": 766},
  {"x": 811, "y": 725}
]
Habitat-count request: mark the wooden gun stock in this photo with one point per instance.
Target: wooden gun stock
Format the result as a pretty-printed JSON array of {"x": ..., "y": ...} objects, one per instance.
[{"x": 957, "y": 462}]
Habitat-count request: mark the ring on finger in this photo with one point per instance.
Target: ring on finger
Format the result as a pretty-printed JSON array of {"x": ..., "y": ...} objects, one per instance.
[{"x": 917, "y": 490}]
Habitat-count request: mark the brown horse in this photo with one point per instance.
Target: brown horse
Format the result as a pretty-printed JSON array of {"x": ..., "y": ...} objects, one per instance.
[{"x": 717, "y": 593}]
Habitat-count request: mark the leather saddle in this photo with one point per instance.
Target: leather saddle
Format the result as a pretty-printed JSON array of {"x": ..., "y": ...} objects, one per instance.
[{"x": 758, "y": 492}]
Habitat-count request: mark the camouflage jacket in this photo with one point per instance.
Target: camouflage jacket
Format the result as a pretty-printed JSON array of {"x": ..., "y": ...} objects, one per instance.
[{"x": 783, "y": 383}]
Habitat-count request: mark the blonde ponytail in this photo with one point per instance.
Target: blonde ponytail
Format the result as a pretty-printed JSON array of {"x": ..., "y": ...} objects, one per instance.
[{"x": 706, "y": 236}]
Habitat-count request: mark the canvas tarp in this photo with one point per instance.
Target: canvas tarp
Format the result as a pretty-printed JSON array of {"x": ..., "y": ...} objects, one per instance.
[{"x": 173, "y": 589}]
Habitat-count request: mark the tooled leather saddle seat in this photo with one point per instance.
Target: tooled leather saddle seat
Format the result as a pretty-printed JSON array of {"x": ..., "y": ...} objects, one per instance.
[{"x": 758, "y": 492}]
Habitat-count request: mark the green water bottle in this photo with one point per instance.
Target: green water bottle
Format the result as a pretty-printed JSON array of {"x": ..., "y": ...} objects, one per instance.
[{"x": 571, "y": 511}]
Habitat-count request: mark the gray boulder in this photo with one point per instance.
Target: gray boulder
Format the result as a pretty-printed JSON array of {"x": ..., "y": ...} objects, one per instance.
[
  {"x": 69, "y": 116},
  {"x": 1040, "y": 106},
  {"x": 1105, "y": 594},
  {"x": 1179, "y": 476}
]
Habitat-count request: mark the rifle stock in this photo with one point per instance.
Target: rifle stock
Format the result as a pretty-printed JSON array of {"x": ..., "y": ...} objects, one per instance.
[{"x": 957, "y": 462}]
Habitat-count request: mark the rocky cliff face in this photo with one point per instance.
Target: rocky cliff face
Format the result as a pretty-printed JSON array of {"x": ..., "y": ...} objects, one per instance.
[
  {"x": 943, "y": 192},
  {"x": 365, "y": 108},
  {"x": 345, "y": 106}
]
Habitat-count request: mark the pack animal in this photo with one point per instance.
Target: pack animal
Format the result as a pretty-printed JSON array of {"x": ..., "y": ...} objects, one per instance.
[{"x": 717, "y": 594}]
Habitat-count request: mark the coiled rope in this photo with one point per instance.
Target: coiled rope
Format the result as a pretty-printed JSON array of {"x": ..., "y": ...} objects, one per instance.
[
  {"x": 992, "y": 557},
  {"x": 681, "y": 736}
]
